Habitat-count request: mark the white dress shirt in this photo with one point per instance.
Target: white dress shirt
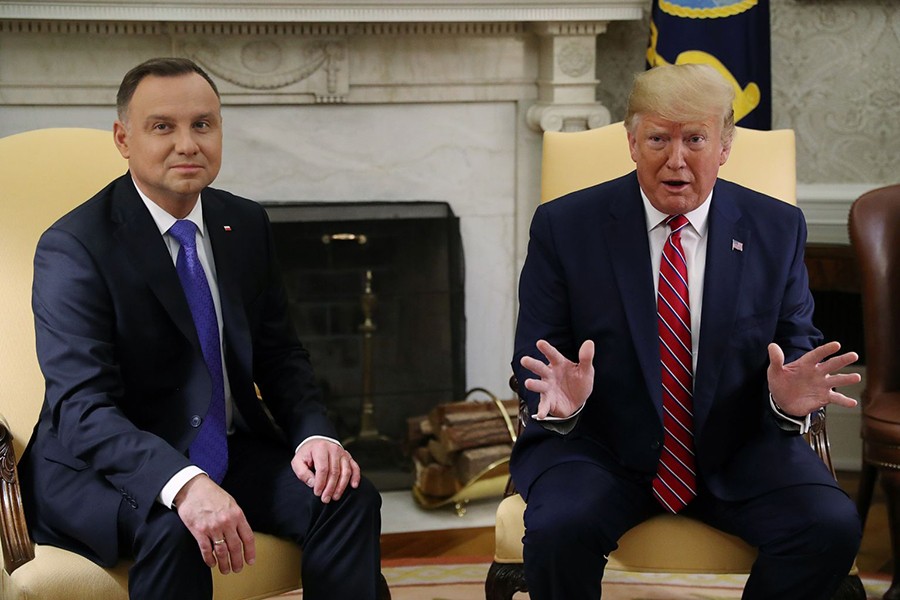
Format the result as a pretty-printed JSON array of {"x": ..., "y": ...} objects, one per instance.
[{"x": 164, "y": 222}]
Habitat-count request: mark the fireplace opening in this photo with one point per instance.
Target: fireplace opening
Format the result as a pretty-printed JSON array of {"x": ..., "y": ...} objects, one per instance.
[{"x": 376, "y": 293}]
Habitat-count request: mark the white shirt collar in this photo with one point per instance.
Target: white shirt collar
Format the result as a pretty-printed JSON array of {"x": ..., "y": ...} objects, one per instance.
[
  {"x": 698, "y": 218},
  {"x": 164, "y": 220}
]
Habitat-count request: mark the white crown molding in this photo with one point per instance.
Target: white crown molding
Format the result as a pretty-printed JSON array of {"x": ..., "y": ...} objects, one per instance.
[
  {"x": 826, "y": 207},
  {"x": 328, "y": 11}
]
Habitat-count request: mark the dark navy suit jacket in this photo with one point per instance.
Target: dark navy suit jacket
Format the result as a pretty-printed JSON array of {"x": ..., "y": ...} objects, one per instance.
[
  {"x": 126, "y": 383},
  {"x": 588, "y": 275}
]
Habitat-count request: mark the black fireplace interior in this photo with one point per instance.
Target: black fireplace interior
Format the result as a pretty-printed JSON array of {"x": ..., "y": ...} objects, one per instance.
[{"x": 410, "y": 255}]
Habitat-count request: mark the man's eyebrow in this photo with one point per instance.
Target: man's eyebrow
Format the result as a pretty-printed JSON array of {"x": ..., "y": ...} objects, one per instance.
[{"x": 200, "y": 117}]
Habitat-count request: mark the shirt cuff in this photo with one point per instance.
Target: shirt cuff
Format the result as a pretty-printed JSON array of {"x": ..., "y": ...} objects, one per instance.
[
  {"x": 560, "y": 425},
  {"x": 803, "y": 424},
  {"x": 173, "y": 486},
  {"x": 317, "y": 437}
]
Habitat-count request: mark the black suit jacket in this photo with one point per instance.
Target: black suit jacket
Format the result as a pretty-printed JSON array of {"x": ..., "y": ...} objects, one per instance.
[
  {"x": 588, "y": 276},
  {"x": 125, "y": 375}
]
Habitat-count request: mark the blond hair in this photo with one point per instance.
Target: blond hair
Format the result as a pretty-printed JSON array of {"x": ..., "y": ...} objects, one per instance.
[{"x": 682, "y": 93}]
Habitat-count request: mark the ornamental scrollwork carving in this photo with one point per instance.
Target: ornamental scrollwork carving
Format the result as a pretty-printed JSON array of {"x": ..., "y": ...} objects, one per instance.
[
  {"x": 7, "y": 458},
  {"x": 566, "y": 117},
  {"x": 269, "y": 65}
]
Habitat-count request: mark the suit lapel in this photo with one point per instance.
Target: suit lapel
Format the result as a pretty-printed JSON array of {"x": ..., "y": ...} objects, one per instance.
[
  {"x": 139, "y": 236},
  {"x": 226, "y": 239},
  {"x": 722, "y": 284},
  {"x": 626, "y": 232}
]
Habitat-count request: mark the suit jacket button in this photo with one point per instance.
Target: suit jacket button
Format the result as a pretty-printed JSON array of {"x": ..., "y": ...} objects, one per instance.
[
  {"x": 196, "y": 420},
  {"x": 655, "y": 445}
]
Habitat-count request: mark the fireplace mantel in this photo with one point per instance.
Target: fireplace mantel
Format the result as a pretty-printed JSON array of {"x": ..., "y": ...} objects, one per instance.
[
  {"x": 301, "y": 52},
  {"x": 328, "y": 11},
  {"x": 348, "y": 101}
]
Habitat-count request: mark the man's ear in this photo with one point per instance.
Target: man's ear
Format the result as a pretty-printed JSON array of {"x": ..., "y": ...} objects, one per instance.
[
  {"x": 632, "y": 146},
  {"x": 120, "y": 137},
  {"x": 726, "y": 152}
]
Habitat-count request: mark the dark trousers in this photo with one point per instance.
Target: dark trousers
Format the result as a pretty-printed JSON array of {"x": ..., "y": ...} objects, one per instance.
[
  {"x": 807, "y": 535},
  {"x": 340, "y": 540}
]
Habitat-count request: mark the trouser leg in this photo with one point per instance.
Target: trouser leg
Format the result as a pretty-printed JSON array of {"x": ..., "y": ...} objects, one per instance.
[
  {"x": 807, "y": 536},
  {"x": 575, "y": 514},
  {"x": 167, "y": 559},
  {"x": 340, "y": 540}
]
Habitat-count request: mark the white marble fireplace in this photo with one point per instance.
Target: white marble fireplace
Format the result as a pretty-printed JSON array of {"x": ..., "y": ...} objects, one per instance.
[{"x": 341, "y": 101}]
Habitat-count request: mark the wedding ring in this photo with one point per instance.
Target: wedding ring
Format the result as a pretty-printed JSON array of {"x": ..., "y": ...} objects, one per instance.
[{"x": 217, "y": 542}]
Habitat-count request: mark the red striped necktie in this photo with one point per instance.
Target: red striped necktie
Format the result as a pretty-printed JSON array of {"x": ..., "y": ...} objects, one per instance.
[{"x": 676, "y": 481}]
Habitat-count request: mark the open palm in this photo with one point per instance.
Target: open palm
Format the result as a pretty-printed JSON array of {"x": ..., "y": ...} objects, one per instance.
[{"x": 564, "y": 386}]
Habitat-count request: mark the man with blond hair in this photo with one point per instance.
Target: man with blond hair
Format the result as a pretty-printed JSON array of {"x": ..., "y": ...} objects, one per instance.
[{"x": 669, "y": 361}]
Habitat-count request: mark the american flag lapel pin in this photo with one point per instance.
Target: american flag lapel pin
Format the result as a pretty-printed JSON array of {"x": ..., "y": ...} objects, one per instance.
[
  {"x": 226, "y": 227},
  {"x": 736, "y": 245}
]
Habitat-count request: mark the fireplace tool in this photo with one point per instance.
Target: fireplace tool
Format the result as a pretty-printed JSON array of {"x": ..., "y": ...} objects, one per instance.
[
  {"x": 368, "y": 437},
  {"x": 368, "y": 430}
]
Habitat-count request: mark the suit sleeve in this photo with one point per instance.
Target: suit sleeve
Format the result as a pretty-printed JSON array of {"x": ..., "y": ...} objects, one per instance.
[
  {"x": 543, "y": 304},
  {"x": 795, "y": 331},
  {"x": 75, "y": 338}
]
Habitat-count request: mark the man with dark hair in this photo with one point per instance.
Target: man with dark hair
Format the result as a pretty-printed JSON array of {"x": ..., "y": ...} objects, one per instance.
[
  {"x": 159, "y": 309},
  {"x": 669, "y": 361}
]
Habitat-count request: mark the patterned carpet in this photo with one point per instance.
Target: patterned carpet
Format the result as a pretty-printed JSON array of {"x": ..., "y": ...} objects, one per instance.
[{"x": 463, "y": 579}]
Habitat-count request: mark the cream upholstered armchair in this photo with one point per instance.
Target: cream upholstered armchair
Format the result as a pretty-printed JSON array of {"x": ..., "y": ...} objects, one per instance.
[
  {"x": 44, "y": 174},
  {"x": 761, "y": 160}
]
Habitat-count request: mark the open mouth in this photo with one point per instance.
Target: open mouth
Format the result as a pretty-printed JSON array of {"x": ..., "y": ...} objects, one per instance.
[{"x": 675, "y": 183}]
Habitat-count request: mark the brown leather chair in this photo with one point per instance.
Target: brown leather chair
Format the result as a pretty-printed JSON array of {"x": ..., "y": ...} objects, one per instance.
[{"x": 875, "y": 236}]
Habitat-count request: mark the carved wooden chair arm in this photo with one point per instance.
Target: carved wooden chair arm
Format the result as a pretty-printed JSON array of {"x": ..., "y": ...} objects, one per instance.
[
  {"x": 818, "y": 439},
  {"x": 14, "y": 539}
]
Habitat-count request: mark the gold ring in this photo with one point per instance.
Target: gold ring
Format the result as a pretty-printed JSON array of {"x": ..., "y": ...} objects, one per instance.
[{"x": 217, "y": 542}]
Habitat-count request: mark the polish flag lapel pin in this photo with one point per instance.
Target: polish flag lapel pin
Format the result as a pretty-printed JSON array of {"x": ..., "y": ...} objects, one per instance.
[{"x": 226, "y": 227}]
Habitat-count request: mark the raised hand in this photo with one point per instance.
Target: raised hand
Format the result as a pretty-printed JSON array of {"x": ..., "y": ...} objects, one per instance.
[
  {"x": 564, "y": 386},
  {"x": 807, "y": 384}
]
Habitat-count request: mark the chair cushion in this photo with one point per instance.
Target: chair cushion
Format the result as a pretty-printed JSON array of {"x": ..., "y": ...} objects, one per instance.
[
  {"x": 665, "y": 543},
  {"x": 57, "y": 574}
]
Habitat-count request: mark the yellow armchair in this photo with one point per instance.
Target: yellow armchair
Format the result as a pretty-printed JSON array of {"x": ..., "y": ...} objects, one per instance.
[
  {"x": 44, "y": 174},
  {"x": 761, "y": 160}
]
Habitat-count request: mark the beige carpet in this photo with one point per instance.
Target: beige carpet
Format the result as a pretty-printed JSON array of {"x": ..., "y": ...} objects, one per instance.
[{"x": 463, "y": 579}]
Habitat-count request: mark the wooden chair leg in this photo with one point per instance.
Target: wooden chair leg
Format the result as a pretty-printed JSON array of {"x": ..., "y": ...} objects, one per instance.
[
  {"x": 866, "y": 490},
  {"x": 504, "y": 580},
  {"x": 890, "y": 482},
  {"x": 384, "y": 592},
  {"x": 851, "y": 588}
]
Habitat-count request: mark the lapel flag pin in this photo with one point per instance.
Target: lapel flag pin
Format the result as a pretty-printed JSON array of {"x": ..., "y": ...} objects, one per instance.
[
  {"x": 226, "y": 227},
  {"x": 736, "y": 245}
]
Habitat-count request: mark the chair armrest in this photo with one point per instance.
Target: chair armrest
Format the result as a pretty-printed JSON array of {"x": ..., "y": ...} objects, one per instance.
[
  {"x": 817, "y": 436},
  {"x": 14, "y": 539}
]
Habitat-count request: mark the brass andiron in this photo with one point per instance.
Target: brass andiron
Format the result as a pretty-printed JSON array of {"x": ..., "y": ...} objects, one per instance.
[{"x": 368, "y": 430}]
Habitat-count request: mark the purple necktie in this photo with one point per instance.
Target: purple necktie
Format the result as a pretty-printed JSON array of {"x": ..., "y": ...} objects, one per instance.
[
  {"x": 676, "y": 481},
  {"x": 209, "y": 450}
]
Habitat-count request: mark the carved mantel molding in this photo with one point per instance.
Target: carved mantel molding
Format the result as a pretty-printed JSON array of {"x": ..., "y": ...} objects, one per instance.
[
  {"x": 311, "y": 51},
  {"x": 326, "y": 11}
]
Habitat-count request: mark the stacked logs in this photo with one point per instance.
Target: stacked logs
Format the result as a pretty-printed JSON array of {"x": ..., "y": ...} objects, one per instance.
[{"x": 458, "y": 441}]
